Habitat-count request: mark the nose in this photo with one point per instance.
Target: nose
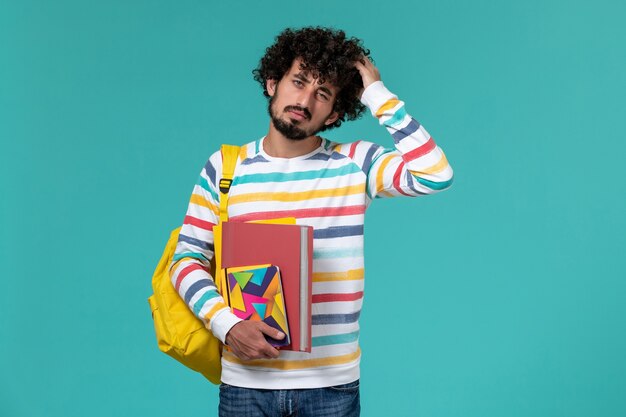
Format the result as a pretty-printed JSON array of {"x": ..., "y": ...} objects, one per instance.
[{"x": 305, "y": 97}]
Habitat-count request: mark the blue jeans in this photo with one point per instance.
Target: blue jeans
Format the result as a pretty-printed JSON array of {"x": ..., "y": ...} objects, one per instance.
[{"x": 338, "y": 401}]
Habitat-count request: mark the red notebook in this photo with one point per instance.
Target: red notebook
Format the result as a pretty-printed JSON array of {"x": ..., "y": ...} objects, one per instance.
[{"x": 288, "y": 246}]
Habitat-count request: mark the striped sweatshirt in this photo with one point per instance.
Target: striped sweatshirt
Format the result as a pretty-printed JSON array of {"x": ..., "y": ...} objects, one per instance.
[{"x": 329, "y": 189}]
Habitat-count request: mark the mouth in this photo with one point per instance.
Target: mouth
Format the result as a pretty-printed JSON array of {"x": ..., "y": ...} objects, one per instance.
[{"x": 298, "y": 115}]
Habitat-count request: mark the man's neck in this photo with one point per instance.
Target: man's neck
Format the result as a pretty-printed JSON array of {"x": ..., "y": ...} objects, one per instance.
[{"x": 278, "y": 146}]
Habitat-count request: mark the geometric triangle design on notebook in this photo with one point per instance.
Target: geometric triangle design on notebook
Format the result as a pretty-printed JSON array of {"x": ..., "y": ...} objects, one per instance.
[
  {"x": 236, "y": 299},
  {"x": 279, "y": 317},
  {"x": 278, "y": 302},
  {"x": 249, "y": 300},
  {"x": 242, "y": 278},
  {"x": 272, "y": 287},
  {"x": 270, "y": 307},
  {"x": 260, "y": 308},
  {"x": 256, "y": 294},
  {"x": 258, "y": 275}
]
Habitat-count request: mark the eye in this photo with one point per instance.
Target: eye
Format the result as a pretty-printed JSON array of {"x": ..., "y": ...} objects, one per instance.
[
  {"x": 298, "y": 83},
  {"x": 322, "y": 96}
]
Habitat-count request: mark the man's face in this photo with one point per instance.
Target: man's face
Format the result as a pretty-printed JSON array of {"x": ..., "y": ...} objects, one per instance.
[{"x": 299, "y": 106}]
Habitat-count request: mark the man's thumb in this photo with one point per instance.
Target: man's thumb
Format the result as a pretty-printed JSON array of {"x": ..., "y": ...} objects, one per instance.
[{"x": 271, "y": 332}]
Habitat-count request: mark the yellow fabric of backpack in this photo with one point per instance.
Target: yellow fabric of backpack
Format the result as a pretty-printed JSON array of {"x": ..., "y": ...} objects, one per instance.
[{"x": 179, "y": 332}]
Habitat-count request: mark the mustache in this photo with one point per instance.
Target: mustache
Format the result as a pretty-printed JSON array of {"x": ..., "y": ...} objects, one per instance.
[{"x": 300, "y": 109}]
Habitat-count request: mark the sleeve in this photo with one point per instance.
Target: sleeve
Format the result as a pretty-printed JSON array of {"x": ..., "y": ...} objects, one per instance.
[
  {"x": 416, "y": 166},
  {"x": 190, "y": 269}
]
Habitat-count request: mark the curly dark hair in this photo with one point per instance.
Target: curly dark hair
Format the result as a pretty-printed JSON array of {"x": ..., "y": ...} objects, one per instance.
[{"x": 328, "y": 55}]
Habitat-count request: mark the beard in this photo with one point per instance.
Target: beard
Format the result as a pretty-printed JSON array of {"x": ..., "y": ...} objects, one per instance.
[{"x": 290, "y": 129}]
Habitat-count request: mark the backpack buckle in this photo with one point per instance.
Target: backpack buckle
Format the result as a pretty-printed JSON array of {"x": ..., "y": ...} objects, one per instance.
[{"x": 225, "y": 185}]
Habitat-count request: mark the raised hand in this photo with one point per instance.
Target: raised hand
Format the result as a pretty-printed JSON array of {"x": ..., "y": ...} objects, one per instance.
[{"x": 369, "y": 73}]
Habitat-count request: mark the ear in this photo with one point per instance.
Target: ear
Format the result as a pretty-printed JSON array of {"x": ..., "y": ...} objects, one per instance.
[
  {"x": 270, "y": 86},
  {"x": 332, "y": 118}
]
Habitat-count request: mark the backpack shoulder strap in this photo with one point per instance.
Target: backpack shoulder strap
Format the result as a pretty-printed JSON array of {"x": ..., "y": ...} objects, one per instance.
[{"x": 229, "y": 161}]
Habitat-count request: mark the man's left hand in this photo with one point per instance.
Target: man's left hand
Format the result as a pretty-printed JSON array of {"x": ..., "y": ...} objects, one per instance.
[{"x": 369, "y": 73}]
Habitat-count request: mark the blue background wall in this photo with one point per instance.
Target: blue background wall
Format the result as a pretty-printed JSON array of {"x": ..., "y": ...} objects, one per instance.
[{"x": 509, "y": 288}]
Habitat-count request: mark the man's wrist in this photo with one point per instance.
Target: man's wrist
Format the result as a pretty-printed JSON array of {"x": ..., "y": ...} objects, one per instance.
[
  {"x": 222, "y": 322},
  {"x": 375, "y": 95}
]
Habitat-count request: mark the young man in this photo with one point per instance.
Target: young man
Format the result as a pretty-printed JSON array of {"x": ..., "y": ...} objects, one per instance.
[{"x": 315, "y": 79}]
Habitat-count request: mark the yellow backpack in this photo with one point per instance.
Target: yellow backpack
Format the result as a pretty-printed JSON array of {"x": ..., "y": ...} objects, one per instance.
[{"x": 179, "y": 332}]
